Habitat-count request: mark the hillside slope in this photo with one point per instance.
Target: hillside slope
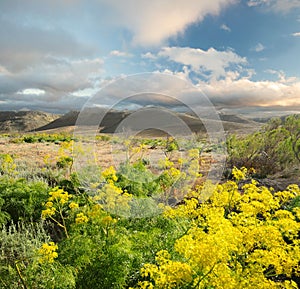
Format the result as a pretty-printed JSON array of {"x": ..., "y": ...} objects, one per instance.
[
  {"x": 24, "y": 121},
  {"x": 112, "y": 119}
]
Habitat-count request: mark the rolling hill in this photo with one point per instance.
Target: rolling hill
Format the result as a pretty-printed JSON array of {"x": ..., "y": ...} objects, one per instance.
[
  {"x": 24, "y": 121},
  {"x": 113, "y": 118}
]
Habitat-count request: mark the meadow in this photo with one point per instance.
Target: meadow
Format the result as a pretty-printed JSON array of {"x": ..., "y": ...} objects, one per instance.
[{"x": 145, "y": 215}]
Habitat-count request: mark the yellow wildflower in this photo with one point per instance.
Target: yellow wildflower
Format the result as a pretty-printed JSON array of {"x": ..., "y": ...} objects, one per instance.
[
  {"x": 48, "y": 252},
  {"x": 73, "y": 205},
  {"x": 81, "y": 218},
  {"x": 49, "y": 204},
  {"x": 48, "y": 212},
  {"x": 110, "y": 174},
  {"x": 239, "y": 174}
]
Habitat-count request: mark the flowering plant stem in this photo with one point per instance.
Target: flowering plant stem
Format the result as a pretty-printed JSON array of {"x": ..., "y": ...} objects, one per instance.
[
  {"x": 63, "y": 225},
  {"x": 20, "y": 275}
]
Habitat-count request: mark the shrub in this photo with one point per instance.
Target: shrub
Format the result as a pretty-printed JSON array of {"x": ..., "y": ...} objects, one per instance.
[
  {"x": 22, "y": 200},
  {"x": 237, "y": 239},
  {"x": 273, "y": 149}
]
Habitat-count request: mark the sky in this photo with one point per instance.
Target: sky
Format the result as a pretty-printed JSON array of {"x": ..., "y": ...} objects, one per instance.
[{"x": 242, "y": 54}]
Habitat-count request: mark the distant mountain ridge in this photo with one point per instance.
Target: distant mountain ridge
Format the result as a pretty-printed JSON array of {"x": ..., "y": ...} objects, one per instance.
[
  {"x": 24, "y": 121},
  {"x": 113, "y": 118}
]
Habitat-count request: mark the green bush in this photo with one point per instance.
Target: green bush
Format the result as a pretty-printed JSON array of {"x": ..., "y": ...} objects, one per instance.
[
  {"x": 22, "y": 200},
  {"x": 273, "y": 149},
  {"x": 137, "y": 180}
]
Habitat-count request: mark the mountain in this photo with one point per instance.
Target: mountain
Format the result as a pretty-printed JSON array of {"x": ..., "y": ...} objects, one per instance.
[
  {"x": 24, "y": 121},
  {"x": 113, "y": 118},
  {"x": 89, "y": 118}
]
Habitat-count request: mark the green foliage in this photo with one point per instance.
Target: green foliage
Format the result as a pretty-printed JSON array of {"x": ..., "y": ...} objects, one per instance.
[
  {"x": 171, "y": 145},
  {"x": 64, "y": 162},
  {"x": 4, "y": 216},
  {"x": 154, "y": 143},
  {"x": 103, "y": 137},
  {"x": 275, "y": 148},
  {"x": 22, "y": 200},
  {"x": 71, "y": 184},
  {"x": 43, "y": 137},
  {"x": 18, "y": 243},
  {"x": 137, "y": 180}
]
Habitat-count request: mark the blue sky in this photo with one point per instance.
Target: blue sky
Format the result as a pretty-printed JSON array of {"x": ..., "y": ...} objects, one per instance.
[{"x": 55, "y": 54}]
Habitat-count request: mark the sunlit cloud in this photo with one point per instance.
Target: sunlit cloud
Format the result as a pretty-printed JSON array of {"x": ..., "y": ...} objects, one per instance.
[
  {"x": 245, "y": 92},
  {"x": 152, "y": 22},
  {"x": 211, "y": 62}
]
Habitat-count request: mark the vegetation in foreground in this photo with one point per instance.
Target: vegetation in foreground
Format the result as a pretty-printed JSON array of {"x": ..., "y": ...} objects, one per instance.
[{"x": 57, "y": 234}]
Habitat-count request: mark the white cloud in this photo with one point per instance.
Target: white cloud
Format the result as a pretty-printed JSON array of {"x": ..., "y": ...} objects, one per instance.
[
  {"x": 259, "y": 47},
  {"x": 211, "y": 61},
  {"x": 225, "y": 27},
  {"x": 148, "y": 55},
  {"x": 152, "y": 22},
  {"x": 245, "y": 92},
  {"x": 234, "y": 91},
  {"x": 86, "y": 92},
  {"x": 276, "y": 5},
  {"x": 32, "y": 91},
  {"x": 119, "y": 53},
  {"x": 253, "y": 3},
  {"x": 282, "y": 78},
  {"x": 296, "y": 34}
]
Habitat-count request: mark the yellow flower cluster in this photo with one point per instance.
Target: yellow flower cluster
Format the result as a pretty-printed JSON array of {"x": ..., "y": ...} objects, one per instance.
[
  {"x": 174, "y": 173},
  {"x": 48, "y": 252},
  {"x": 57, "y": 198},
  {"x": 113, "y": 199},
  {"x": 167, "y": 273},
  {"x": 193, "y": 154},
  {"x": 73, "y": 205},
  {"x": 239, "y": 174},
  {"x": 110, "y": 174},
  {"x": 108, "y": 220},
  {"x": 165, "y": 163},
  {"x": 48, "y": 212},
  {"x": 67, "y": 145},
  {"x": 81, "y": 218},
  {"x": 7, "y": 164},
  {"x": 59, "y": 195},
  {"x": 238, "y": 239}
]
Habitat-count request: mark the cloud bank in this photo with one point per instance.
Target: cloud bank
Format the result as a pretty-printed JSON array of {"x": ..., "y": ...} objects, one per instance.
[{"x": 53, "y": 53}]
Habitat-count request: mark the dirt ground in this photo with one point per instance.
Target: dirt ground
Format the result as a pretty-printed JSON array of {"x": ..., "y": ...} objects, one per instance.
[
  {"x": 107, "y": 153},
  {"x": 36, "y": 155}
]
